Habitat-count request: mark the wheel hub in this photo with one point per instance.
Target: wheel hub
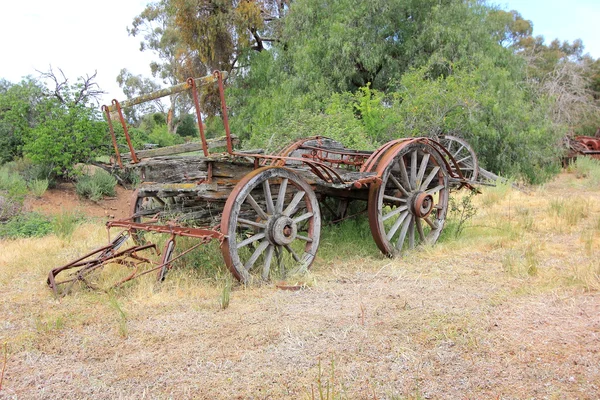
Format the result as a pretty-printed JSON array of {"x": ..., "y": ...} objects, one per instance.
[
  {"x": 282, "y": 230},
  {"x": 422, "y": 204}
]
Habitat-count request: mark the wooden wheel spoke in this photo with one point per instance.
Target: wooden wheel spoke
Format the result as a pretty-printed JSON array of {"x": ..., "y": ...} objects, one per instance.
[
  {"x": 398, "y": 185},
  {"x": 394, "y": 199},
  {"x": 254, "y": 245},
  {"x": 413, "y": 169},
  {"x": 305, "y": 238},
  {"x": 291, "y": 208},
  {"x": 247, "y": 222},
  {"x": 251, "y": 239},
  {"x": 463, "y": 159},
  {"x": 397, "y": 211},
  {"x": 267, "y": 264},
  {"x": 420, "y": 229},
  {"x": 256, "y": 207},
  {"x": 435, "y": 189},
  {"x": 292, "y": 252},
  {"x": 259, "y": 250},
  {"x": 458, "y": 151},
  {"x": 411, "y": 233},
  {"x": 392, "y": 215},
  {"x": 403, "y": 173},
  {"x": 429, "y": 178},
  {"x": 303, "y": 217},
  {"x": 422, "y": 169},
  {"x": 396, "y": 225},
  {"x": 268, "y": 197},
  {"x": 281, "y": 195},
  {"x": 403, "y": 232},
  {"x": 432, "y": 224}
]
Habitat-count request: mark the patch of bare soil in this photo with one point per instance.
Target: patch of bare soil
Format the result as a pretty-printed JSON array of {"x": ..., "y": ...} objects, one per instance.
[{"x": 63, "y": 198}]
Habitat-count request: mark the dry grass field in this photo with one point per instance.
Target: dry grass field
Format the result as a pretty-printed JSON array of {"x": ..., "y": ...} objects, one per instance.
[{"x": 508, "y": 310}]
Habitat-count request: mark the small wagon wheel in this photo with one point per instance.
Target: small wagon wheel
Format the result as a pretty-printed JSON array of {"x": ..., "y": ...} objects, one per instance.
[
  {"x": 272, "y": 225},
  {"x": 147, "y": 208},
  {"x": 409, "y": 207},
  {"x": 463, "y": 154}
]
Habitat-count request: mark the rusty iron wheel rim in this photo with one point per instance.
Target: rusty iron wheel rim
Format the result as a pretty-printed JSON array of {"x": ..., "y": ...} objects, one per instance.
[
  {"x": 266, "y": 235},
  {"x": 409, "y": 207}
]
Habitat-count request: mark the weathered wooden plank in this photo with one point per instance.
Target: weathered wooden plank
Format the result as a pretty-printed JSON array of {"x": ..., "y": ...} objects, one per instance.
[
  {"x": 174, "y": 189},
  {"x": 180, "y": 148},
  {"x": 205, "y": 80},
  {"x": 171, "y": 170}
]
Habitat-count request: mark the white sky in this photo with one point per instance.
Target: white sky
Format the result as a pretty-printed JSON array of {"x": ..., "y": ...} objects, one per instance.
[
  {"x": 83, "y": 36},
  {"x": 77, "y": 36},
  {"x": 565, "y": 20}
]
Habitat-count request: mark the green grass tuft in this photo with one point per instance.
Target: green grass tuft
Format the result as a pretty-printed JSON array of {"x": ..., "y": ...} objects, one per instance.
[
  {"x": 64, "y": 224},
  {"x": 589, "y": 168},
  {"x": 38, "y": 187}
]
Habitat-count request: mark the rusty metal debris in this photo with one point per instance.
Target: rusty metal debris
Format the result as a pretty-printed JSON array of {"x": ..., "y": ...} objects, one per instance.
[{"x": 582, "y": 146}]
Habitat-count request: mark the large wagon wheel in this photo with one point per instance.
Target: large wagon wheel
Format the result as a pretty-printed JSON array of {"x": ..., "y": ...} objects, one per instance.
[
  {"x": 409, "y": 207},
  {"x": 464, "y": 155},
  {"x": 272, "y": 225}
]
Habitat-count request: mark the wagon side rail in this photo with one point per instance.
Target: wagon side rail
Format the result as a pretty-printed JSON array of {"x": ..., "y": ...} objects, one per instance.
[{"x": 114, "y": 111}]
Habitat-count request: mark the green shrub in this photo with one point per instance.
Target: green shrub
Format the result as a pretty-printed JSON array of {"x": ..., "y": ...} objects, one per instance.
[
  {"x": 29, "y": 170},
  {"x": 9, "y": 208},
  {"x": 72, "y": 135},
  {"x": 12, "y": 185},
  {"x": 26, "y": 225},
  {"x": 188, "y": 127},
  {"x": 96, "y": 186},
  {"x": 163, "y": 138}
]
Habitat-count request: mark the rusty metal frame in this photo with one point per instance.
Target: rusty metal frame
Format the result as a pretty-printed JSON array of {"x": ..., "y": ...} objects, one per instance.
[{"x": 190, "y": 84}]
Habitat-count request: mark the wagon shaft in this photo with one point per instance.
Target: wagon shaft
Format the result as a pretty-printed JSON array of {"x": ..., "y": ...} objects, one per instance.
[{"x": 82, "y": 269}]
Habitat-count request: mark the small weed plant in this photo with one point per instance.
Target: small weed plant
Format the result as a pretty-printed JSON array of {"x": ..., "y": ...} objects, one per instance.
[
  {"x": 96, "y": 186},
  {"x": 121, "y": 315},
  {"x": 461, "y": 211},
  {"x": 225, "y": 294},
  {"x": 38, "y": 187},
  {"x": 31, "y": 171},
  {"x": 326, "y": 385}
]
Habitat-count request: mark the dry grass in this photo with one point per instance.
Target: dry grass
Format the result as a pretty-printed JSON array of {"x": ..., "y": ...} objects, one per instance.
[{"x": 509, "y": 310}]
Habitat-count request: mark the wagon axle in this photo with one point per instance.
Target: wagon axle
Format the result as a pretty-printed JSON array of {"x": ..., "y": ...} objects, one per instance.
[{"x": 422, "y": 204}]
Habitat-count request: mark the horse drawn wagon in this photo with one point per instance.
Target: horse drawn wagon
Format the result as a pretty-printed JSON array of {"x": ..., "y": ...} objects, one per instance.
[{"x": 265, "y": 209}]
